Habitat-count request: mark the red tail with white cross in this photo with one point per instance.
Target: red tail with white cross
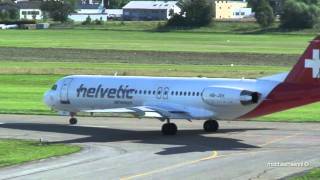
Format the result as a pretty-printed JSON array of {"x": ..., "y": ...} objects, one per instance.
[{"x": 307, "y": 70}]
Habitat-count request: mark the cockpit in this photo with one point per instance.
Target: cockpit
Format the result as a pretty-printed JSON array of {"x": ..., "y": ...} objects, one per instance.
[{"x": 54, "y": 87}]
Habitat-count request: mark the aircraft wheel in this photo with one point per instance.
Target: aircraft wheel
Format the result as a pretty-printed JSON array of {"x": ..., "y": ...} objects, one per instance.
[
  {"x": 211, "y": 126},
  {"x": 169, "y": 129},
  {"x": 73, "y": 121}
]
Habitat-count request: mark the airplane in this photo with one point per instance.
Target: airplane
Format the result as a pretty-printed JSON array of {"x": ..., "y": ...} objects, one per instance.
[{"x": 210, "y": 99}]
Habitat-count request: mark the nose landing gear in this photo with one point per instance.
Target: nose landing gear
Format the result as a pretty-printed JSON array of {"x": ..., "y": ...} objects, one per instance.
[{"x": 73, "y": 120}]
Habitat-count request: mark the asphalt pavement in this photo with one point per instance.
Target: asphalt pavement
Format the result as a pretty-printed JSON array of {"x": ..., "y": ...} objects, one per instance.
[{"x": 125, "y": 148}]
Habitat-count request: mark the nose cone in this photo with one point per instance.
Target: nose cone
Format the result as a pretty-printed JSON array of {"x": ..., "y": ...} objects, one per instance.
[{"x": 48, "y": 99}]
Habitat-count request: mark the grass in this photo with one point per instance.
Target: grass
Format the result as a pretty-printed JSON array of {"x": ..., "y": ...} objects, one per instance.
[
  {"x": 22, "y": 94},
  {"x": 143, "y": 57},
  {"x": 20, "y": 151},
  {"x": 156, "y": 41},
  {"x": 62, "y": 68},
  {"x": 234, "y": 27},
  {"x": 311, "y": 175},
  {"x": 308, "y": 113}
]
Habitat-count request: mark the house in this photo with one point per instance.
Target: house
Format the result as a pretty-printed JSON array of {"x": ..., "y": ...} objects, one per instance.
[
  {"x": 231, "y": 9},
  {"x": 150, "y": 10},
  {"x": 30, "y": 10},
  {"x": 95, "y": 11}
]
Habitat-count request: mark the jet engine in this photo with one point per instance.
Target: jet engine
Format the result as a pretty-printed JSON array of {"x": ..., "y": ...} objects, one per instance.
[{"x": 220, "y": 96}]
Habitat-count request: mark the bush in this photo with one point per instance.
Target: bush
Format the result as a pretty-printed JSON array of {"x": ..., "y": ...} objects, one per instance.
[
  {"x": 87, "y": 21},
  {"x": 264, "y": 13},
  {"x": 177, "y": 20},
  {"x": 18, "y": 22},
  {"x": 299, "y": 14},
  {"x": 98, "y": 21}
]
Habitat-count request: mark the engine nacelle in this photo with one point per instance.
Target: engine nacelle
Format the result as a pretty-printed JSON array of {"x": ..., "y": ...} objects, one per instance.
[{"x": 220, "y": 96}]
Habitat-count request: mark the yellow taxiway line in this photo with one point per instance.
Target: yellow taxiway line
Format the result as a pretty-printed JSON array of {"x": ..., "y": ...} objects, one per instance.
[{"x": 213, "y": 156}]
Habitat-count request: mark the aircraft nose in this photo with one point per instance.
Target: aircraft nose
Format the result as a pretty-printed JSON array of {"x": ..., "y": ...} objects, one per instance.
[{"x": 48, "y": 99}]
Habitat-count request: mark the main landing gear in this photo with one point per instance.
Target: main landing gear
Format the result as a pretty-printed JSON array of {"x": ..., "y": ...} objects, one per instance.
[
  {"x": 169, "y": 128},
  {"x": 73, "y": 120},
  {"x": 211, "y": 126}
]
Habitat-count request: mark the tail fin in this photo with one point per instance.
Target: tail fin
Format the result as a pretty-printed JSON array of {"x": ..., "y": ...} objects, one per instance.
[{"x": 307, "y": 70}]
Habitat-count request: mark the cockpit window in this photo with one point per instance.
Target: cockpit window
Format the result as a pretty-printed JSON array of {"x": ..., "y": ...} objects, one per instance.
[{"x": 54, "y": 87}]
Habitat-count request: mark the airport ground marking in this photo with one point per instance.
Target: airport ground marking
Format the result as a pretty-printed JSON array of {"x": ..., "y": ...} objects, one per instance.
[
  {"x": 279, "y": 139},
  {"x": 212, "y": 156}
]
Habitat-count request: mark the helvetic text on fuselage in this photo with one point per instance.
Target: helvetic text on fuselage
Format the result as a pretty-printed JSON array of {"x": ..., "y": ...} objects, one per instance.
[{"x": 122, "y": 92}]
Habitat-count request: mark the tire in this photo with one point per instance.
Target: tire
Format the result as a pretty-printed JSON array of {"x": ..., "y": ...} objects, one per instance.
[
  {"x": 211, "y": 126},
  {"x": 169, "y": 129},
  {"x": 73, "y": 121}
]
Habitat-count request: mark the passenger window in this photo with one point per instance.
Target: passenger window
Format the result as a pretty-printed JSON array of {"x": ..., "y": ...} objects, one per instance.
[{"x": 54, "y": 87}]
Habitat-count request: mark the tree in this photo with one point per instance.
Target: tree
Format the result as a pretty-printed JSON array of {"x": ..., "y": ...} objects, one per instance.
[
  {"x": 117, "y": 4},
  {"x": 263, "y": 13},
  {"x": 299, "y": 14},
  {"x": 58, "y": 10},
  {"x": 253, "y": 4},
  {"x": 8, "y": 10},
  {"x": 193, "y": 13}
]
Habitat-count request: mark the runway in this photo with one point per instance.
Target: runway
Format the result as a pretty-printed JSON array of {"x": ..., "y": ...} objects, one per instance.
[{"x": 125, "y": 148}]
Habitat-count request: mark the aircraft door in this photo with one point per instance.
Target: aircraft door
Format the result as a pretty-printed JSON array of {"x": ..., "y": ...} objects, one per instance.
[
  {"x": 64, "y": 94},
  {"x": 159, "y": 93},
  {"x": 166, "y": 93}
]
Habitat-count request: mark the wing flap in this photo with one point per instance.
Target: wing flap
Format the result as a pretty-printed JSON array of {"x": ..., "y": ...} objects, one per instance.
[{"x": 147, "y": 111}]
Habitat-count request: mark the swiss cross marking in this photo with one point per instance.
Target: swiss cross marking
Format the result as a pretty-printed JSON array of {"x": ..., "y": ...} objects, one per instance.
[{"x": 314, "y": 63}]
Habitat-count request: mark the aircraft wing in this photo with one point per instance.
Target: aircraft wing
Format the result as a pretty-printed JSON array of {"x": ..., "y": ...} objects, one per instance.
[{"x": 148, "y": 111}]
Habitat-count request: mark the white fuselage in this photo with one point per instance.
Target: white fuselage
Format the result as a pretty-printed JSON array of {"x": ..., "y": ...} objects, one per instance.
[{"x": 202, "y": 98}]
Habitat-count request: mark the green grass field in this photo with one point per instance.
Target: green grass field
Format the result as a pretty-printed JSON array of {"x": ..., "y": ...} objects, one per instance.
[
  {"x": 156, "y": 41},
  {"x": 19, "y": 151}
]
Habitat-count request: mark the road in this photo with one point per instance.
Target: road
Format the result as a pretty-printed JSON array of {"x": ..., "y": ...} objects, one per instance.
[{"x": 124, "y": 148}]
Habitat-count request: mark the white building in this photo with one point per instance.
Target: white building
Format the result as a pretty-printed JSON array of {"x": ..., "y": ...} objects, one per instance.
[
  {"x": 94, "y": 11},
  {"x": 30, "y": 10},
  {"x": 150, "y": 10}
]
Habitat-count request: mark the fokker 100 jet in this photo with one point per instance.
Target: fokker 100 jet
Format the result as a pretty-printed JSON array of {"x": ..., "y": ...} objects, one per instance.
[{"x": 167, "y": 98}]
